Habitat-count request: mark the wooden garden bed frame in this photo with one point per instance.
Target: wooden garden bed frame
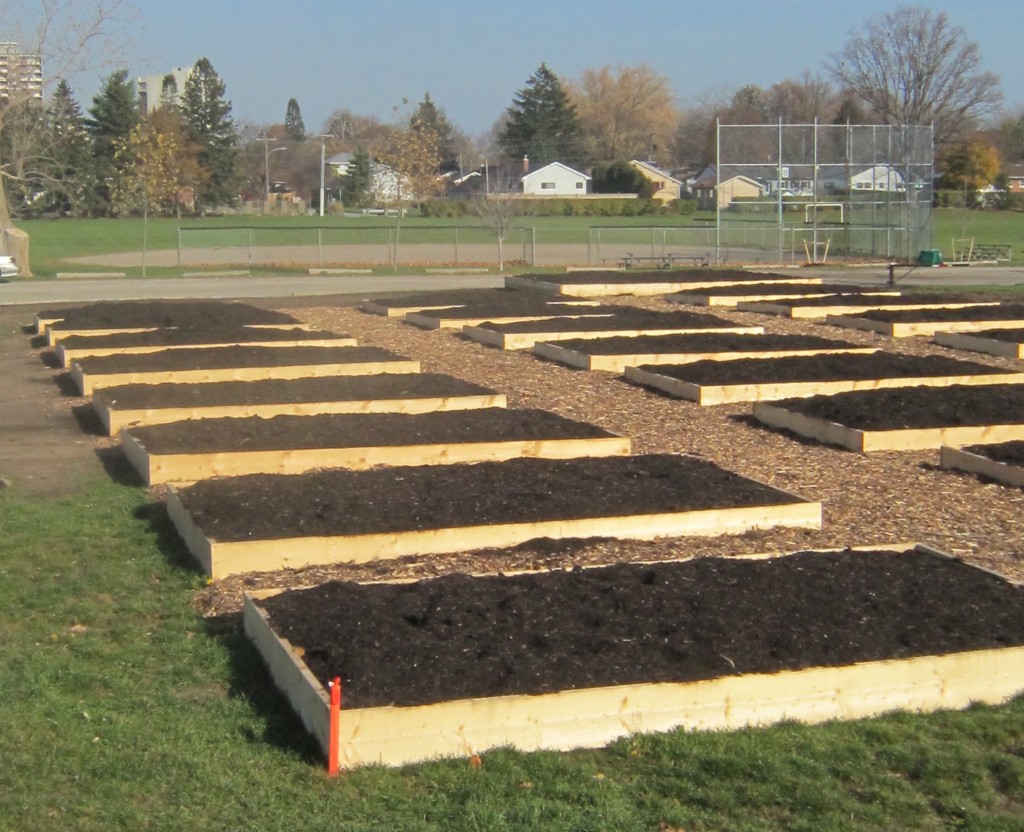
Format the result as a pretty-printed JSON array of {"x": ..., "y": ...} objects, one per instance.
[
  {"x": 787, "y": 310},
  {"x": 709, "y": 298},
  {"x": 527, "y": 340},
  {"x": 676, "y": 283},
  {"x": 963, "y": 460},
  {"x": 908, "y": 329},
  {"x": 593, "y": 717},
  {"x": 978, "y": 342}
]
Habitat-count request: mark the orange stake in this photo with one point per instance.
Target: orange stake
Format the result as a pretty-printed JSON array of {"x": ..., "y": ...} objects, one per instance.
[{"x": 332, "y": 753}]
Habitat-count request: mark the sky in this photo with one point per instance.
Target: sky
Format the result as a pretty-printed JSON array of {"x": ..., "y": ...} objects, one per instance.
[{"x": 472, "y": 56}]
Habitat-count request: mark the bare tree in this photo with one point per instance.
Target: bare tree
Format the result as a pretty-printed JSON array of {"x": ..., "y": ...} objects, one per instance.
[
  {"x": 912, "y": 66},
  {"x": 626, "y": 114},
  {"x": 501, "y": 205},
  {"x": 68, "y": 36}
]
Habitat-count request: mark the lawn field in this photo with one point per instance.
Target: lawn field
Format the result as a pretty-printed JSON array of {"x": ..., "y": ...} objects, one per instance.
[{"x": 54, "y": 243}]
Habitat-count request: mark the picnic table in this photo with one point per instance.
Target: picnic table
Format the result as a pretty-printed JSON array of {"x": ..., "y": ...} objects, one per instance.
[{"x": 663, "y": 261}]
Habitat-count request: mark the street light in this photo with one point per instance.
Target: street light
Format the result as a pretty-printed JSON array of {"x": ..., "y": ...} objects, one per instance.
[{"x": 266, "y": 165}]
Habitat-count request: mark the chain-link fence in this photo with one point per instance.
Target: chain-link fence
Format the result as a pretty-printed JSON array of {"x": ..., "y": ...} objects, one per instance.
[{"x": 819, "y": 191}]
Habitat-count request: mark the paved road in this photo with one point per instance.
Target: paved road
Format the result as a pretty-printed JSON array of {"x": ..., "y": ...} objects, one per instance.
[
  {"x": 84, "y": 290},
  {"x": 79, "y": 291}
]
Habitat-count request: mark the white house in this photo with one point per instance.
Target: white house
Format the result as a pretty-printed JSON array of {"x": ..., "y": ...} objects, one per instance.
[
  {"x": 875, "y": 178},
  {"x": 555, "y": 179}
]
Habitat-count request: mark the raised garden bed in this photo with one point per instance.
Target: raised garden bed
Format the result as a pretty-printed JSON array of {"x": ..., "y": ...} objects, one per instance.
[
  {"x": 188, "y": 451},
  {"x": 733, "y": 295},
  {"x": 400, "y": 305},
  {"x": 615, "y": 354},
  {"x": 752, "y": 380},
  {"x": 852, "y": 304},
  {"x": 458, "y": 317},
  {"x": 456, "y": 665},
  {"x": 75, "y": 347},
  {"x": 913, "y": 418},
  {"x": 157, "y": 404},
  {"x": 1003, "y": 342},
  {"x": 605, "y": 283},
  {"x": 138, "y": 316},
  {"x": 264, "y": 522},
  {"x": 624, "y": 322},
  {"x": 235, "y": 364},
  {"x": 906, "y": 323},
  {"x": 1002, "y": 462}
]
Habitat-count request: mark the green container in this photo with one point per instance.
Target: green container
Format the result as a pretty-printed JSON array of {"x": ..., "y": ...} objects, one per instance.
[{"x": 930, "y": 257}]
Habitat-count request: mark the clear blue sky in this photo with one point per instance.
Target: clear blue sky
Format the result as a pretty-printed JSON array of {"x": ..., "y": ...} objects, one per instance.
[{"x": 473, "y": 55}]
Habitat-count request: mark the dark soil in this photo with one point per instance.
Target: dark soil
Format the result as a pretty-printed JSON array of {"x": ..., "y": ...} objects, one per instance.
[
  {"x": 660, "y": 276},
  {"x": 339, "y": 502},
  {"x": 1013, "y": 336},
  {"x": 863, "y": 299},
  {"x": 454, "y": 297},
  {"x": 999, "y": 312},
  {"x": 811, "y": 289},
  {"x": 622, "y": 318},
  {"x": 699, "y": 342},
  {"x": 528, "y": 305},
  {"x": 826, "y": 367},
  {"x": 194, "y": 335},
  {"x": 278, "y": 391},
  {"x": 1012, "y": 453},
  {"x": 361, "y": 430},
  {"x": 917, "y": 407},
  {"x": 164, "y": 313},
  {"x": 227, "y": 357},
  {"x": 458, "y": 636}
]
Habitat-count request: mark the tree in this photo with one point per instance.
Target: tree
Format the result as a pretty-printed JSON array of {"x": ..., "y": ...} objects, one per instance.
[
  {"x": 413, "y": 162},
  {"x": 112, "y": 117},
  {"x": 912, "y": 66},
  {"x": 803, "y": 100},
  {"x": 429, "y": 116},
  {"x": 71, "y": 36},
  {"x": 207, "y": 117},
  {"x": 293, "y": 124},
  {"x": 626, "y": 114},
  {"x": 621, "y": 178},
  {"x": 543, "y": 123},
  {"x": 68, "y": 168},
  {"x": 969, "y": 166},
  {"x": 355, "y": 183}
]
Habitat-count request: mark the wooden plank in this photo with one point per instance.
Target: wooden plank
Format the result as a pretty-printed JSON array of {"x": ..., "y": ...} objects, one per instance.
[
  {"x": 87, "y": 382},
  {"x": 526, "y": 340},
  {"x": 594, "y": 717},
  {"x": 426, "y": 320},
  {"x": 795, "y": 310},
  {"x": 680, "y": 283},
  {"x": 863, "y": 441},
  {"x": 712, "y": 394},
  {"x": 979, "y": 343},
  {"x": 972, "y": 463},
  {"x": 54, "y": 333},
  {"x": 709, "y": 298},
  {"x": 66, "y": 356},
  {"x": 188, "y": 468},
  {"x": 220, "y": 559},
  {"x": 910, "y": 329},
  {"x": 618, "y": 363},
  {"x": 115, "y": 419}
]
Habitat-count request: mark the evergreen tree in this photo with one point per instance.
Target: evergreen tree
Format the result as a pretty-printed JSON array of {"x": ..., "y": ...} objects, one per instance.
[
  {"x": 543, "y": 123},
  {"x": 293, "y": 124},
  {"x": 355, "y": 184},
  {"x": 112, "y": 117},
  {"x": 68, "y": 168},
  {"x": 428, "y": 115},
  {"x": 207, "y": 117}
]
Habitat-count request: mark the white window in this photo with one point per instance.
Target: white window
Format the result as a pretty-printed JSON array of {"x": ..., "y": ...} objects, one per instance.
[{"x": 547, "y": 186}]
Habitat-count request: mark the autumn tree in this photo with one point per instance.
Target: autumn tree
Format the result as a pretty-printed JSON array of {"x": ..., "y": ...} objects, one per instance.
[
  {"x": 912, "y": 66},
  {"x": 156, "y": 165},
  {"x": 207, "y": 117},
  {"x": 293, "y": 124},
  {"x": 543, "y": 123},
  {"x": 970, "y": 165},
  {"x": 412, "y": 163},
  {"x": 626, "y": 113},
  {"x": 428, "y": 115}
]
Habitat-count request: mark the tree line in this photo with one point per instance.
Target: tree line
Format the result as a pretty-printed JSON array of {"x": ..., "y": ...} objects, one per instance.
[{"x": 906, "y": 66}]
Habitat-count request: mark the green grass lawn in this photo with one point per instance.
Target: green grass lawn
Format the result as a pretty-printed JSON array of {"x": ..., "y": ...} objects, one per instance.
[
  {"x": 124, "y": 710},
  {"x": 54, "y": 241}
]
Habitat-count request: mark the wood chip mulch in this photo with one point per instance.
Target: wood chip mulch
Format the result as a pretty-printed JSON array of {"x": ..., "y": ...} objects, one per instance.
[{"x": 869, "y": 500}]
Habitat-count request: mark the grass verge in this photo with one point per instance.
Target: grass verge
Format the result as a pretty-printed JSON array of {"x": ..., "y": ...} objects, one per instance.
[{"x": 124, "y": 709}]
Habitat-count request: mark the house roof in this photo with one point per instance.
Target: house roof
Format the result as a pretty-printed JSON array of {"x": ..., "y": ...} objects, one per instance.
[
  {"x": 654, "y": 170},
  {"x": 565, "y": 167}
]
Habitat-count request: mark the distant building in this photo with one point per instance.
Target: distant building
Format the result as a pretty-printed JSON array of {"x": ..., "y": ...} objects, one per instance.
[
  {"x": 20, "y": 73},
  {"x": 151, "y": 88},
  {"x": 665, "y": 186},
  {"x": 554, "y": 179}
]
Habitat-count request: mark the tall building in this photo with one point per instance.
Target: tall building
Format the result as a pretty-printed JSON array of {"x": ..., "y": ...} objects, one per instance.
[
  {"x": 20, "y": 74},
  {"x": 151, "y": 87}
]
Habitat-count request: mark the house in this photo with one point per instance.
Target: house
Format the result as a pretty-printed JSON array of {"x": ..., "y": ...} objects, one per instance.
[
  {"x": 1015, "y": 178},
  {"x": 875, "y": 178},
  {"x": 665, "y": 186},
  {"x": 554, "y": 179},
  {"x": 733, "y": 186},
  {"x": 384, "y": 180}
]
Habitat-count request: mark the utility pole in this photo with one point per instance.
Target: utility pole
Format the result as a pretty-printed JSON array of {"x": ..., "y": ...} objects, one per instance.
[{"x": 323, "y": 164}]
